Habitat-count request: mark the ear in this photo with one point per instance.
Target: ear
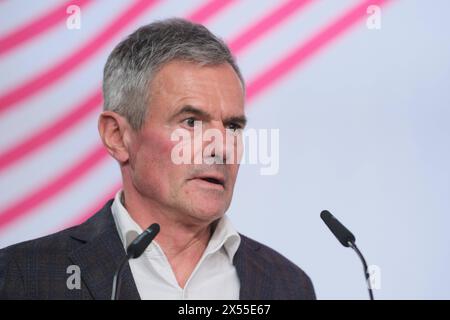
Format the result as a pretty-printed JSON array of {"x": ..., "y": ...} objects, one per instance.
[{"x": 114, "y": 131}]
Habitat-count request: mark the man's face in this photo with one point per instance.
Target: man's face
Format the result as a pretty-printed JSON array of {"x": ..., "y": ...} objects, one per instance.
[{"x": 183, "y": 93}]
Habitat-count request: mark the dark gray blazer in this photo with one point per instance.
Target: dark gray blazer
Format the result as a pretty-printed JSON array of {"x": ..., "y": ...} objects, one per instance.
[{"x": 37, "y": 269}]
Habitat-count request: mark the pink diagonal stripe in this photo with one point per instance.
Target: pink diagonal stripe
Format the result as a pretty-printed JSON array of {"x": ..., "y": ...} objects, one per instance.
[
  {"x": 60, "y": 70},
  {"x": 322, "y": 38},
  {"x": 24, "y": 206},
  {"x": 307, "y": 49},
  {"x": 265, "y": 24},
  {"x": 55, "y": 187},
  {"x": 208, "y": 10},
  {"x": 38, "y": 27},
  {"x": 51, "y": 132},
  {"x": 99, "y": 204},
  {"x": 246, "y": 38}
]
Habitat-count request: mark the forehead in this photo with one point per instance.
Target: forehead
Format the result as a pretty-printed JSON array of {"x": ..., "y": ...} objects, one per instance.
[{"x": 215, "y": 87}]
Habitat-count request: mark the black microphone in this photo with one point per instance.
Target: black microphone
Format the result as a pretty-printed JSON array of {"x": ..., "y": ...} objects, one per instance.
[
  {"x": 134, "y": 250},
  {"x": 347, "y": 239}
]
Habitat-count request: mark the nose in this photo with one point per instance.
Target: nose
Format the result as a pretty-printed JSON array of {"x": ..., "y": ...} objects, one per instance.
[{"x": 219, "y": 145}]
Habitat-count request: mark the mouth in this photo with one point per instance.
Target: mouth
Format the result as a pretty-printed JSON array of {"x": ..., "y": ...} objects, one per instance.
[{"x": 212, "y": 180}]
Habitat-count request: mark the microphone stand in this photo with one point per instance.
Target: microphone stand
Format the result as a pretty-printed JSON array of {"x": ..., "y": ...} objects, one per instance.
[
  {"x": 347, "y": 239},
  {"x": 117, "y": 278},
  {"x": 352, "y": 245}
]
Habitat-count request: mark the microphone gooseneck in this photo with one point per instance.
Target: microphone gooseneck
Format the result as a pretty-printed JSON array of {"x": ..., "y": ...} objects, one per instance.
[
  {"x": 134, "y": 250},
  {"x": 347, "y": 239}
]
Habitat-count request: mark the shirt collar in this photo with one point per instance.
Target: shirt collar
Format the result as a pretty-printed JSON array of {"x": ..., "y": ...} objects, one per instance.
[{"x": 224, "y": 235}]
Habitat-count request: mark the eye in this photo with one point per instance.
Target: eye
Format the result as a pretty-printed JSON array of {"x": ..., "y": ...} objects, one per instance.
[
  {"x": 190, "y": 122},
  {"x": 234, "y": 127}
]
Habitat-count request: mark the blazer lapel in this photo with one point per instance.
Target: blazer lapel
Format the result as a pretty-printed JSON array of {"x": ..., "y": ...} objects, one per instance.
[
  {"x": 99, "y": 256},
  {"x": 254, "y": 279}
]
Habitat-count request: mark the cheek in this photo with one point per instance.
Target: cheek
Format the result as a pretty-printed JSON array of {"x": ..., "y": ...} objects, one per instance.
[
  {"x": 156, "y": 145},
  {"x": 233, "y": 172},
  {"x": 155, "y": 156}
]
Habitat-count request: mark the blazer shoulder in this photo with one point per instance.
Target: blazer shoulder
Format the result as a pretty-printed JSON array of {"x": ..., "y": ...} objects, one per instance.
[
  {"x": 43, "y": 244},
  {"x": 39, "y": 268},
  {"x": 272, "y": 256},
  {"x": 281, "y": 265},
  {"x": 63, "y": 241},
  {"x": 26, "y": 254},
  {"x": 23, "y": 264}
]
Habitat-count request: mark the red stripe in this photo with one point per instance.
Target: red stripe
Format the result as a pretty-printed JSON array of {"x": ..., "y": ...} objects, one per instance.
[
  {"x": 243, "y": 40},
  {"x": 109, "y": 195},
  {"x": 307, "y": 49},
  {"x": 38, "y": 26},
  {"x": 55, "y": 73},
  {"x": 208, "y": 10},
  {"x": 50, "y": 133},
  {"x": 22, "y": 207},
  {"x": 329, "y": 33},
  {"x": 55, "y": 187},
  {"x": 265, "y": 24}
]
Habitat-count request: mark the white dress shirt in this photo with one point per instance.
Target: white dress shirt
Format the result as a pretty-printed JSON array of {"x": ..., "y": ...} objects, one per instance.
[{"x": 214, "y": 276}]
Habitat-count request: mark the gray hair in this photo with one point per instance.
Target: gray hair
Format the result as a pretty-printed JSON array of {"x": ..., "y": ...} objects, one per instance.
[{"x": 135, "y": 61}]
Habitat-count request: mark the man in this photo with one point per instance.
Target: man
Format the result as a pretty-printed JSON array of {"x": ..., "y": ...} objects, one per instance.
[{"x": 168, "y": 76}]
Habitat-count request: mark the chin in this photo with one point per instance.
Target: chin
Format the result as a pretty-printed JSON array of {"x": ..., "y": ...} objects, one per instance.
[
  {"x": 208, "y": 211},
  {"x": 206, "y": 204}
]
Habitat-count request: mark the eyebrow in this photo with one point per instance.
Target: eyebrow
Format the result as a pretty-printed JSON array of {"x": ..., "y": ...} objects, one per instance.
[
  {"x": 242, "y": 120},
  {"x": 192, "y": 110}
]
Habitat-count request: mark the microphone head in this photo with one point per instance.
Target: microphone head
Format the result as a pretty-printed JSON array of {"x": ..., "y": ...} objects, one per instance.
[
  {"x": 340, "y": 232},
  {"x": 138, "y": 246}
]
